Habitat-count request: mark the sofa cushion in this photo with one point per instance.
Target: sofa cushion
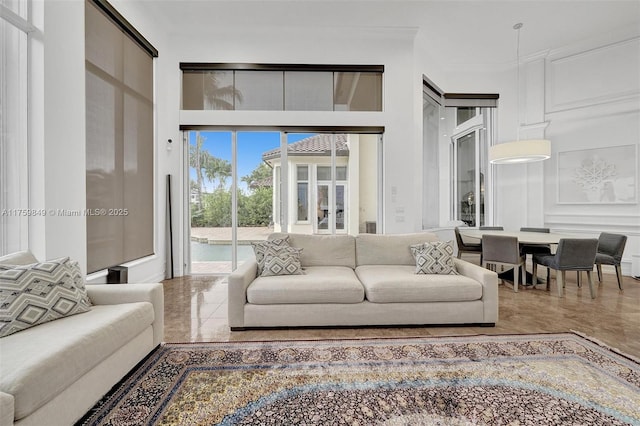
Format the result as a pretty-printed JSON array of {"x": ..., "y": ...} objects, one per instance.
[
  {"x": 434, "y": 258},
  {"x": 319, "y": 284},
  {"x": 40, "y": 292},
  {"x": 282, "y": 261},
  {"x": 40, "y": 362},
  {"x": 400, "y": 283},
  {"x": 323, "y": 250},
  {"x": 389, "y": 249}
]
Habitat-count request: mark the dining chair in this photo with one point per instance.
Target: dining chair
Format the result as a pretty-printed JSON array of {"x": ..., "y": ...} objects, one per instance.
[
  {"x": 610, "y": 249},
  {"x": 491, "y": 228},
  {"x": 535, "y": 248},
  {"x": 503, "y": 251},
  {"x": 573, "y": 254},
  {"x": 543, "y": 230},
  {"x": 467, "y": 247}
]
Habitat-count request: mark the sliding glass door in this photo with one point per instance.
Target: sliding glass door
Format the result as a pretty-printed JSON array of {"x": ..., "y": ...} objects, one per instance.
[{"x": 243, "y": 185}]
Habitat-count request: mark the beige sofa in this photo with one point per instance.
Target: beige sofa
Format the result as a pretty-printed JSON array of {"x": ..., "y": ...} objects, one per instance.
[
  {"x": 363, "y": 280},
  {"x": 53, "y": 373}
]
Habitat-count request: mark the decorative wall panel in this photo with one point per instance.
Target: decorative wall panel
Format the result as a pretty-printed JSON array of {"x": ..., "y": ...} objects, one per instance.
[{"x": 599, "y": 75}]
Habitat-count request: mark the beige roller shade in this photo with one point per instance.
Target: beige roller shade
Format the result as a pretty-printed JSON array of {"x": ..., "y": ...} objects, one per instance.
[{"x": 119, "y": 146}]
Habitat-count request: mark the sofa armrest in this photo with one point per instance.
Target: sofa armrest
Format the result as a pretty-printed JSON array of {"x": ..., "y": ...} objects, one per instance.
[
  {"x": 239, "y": 280},
  {"x": 6, "y": 409},
  {"x": 114, "y": 294},
  {"x": 489, "y": 281}
]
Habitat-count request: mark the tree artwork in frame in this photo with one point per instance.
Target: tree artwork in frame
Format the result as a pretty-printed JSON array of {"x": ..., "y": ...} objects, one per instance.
[{"x": 598, "y": 176}]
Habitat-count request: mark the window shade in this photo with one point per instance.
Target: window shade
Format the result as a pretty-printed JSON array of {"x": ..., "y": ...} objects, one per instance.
[{"x": 119, "y": 146}]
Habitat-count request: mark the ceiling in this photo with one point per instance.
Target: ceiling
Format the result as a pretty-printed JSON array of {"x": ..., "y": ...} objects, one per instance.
[{"x": 458, "y": 32}]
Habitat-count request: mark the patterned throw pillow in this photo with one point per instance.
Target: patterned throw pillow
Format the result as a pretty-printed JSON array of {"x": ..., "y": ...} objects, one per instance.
[
  {"x": 40, "y": 292},
  {"x": 282, "y": 261},
  {"x": 262, "y": 248},
  {"x": 434, "y": 258}
]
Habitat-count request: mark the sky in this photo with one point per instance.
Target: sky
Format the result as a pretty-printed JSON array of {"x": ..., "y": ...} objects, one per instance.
[{"x": 251, "y": 145}]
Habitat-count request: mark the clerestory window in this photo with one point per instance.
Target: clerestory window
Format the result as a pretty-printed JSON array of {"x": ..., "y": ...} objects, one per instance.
[{"x": 274, "y": 87}]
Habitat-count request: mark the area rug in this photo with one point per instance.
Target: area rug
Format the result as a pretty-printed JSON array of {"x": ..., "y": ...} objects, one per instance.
[{"x": 542, "y": 379}]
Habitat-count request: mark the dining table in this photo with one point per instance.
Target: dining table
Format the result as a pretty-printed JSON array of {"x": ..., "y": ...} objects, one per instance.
[{"x": 524, "y": 237}]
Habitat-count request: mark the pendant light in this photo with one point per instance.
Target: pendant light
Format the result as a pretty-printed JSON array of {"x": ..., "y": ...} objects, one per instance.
[{"x": 524, "y": 151}]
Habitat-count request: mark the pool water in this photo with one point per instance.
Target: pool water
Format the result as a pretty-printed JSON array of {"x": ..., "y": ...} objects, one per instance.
[{"x": 202, "y": 252}]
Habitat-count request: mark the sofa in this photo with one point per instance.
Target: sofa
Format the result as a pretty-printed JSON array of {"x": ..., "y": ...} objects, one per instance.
[
  {"x": 363, "y": 280},
  {"x": 53, "y": 373}
]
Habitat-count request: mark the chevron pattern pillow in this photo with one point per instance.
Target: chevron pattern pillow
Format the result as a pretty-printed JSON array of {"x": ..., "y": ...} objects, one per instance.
[
  {"x": 262, "y": 248},
  {"x": 434, "y": 258},
  {"x": 41, "y": 292},
  {"x": 283, "y": 261}
]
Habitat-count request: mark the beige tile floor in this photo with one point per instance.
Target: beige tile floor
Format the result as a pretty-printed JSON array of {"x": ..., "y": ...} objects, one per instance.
[{"x": 196, "y": 311}]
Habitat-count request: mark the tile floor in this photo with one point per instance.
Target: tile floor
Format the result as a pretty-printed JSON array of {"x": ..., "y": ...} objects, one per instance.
[{"x": 196, "y": 311}]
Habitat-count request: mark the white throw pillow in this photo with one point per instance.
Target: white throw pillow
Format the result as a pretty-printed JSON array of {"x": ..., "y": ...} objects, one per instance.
[
  {"x": 435, "y": 257},
  {"x": 282, "y": 261},
  {"x": 40, "y": 292}
]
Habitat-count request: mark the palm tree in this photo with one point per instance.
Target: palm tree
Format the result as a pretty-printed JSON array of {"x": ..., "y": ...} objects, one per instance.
[
  {"x": 217, "y": 168},
  {"x": 260, "y": 177},
  {"x": 198, "y": 158}
]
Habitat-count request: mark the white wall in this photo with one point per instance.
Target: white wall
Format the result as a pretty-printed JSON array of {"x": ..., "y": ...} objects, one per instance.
[
  {"x": 592, "y": 94},
  {"x": 392, "y": 48},
  {"x": 524, "y": 196},
  {"x": 57, "y": 131}
]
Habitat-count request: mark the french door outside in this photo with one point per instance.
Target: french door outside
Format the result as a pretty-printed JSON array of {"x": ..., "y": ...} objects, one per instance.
[{"x": 332, "y": 208}]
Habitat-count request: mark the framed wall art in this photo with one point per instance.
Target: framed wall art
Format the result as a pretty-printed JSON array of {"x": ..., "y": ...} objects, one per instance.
[{"x": 598, "y": 176}]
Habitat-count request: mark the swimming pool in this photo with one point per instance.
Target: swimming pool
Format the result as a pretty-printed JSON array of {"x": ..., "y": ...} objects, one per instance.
[{"x": 203, "y": 252}]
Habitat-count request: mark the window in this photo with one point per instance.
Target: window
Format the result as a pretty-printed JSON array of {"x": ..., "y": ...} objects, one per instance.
[
  {"x": 274, "y": 87},
  {"x": 259, "y": 90},
  {"x": 302, "y": 177},
  {"x": 308, "y": 91},
  {"x": 464, "y": 114},
  {"x": 465, "y": 122},
  {"x": 119, "y": 115},
  {"x": 432, "y": 115},
  {"x": 358, "y": 91},
  {"x": 14, "y": 195},
  {"x": 470, "y": 165}
]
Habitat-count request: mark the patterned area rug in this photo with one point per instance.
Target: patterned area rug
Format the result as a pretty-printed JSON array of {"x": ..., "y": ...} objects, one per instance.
[{"x": 544, "y": 379}]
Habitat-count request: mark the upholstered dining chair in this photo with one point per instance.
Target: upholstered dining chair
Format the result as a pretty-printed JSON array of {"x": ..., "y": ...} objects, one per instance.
[
  {"x": 535, "y": 248},
  {"x": 610, "y": 249},
  {"x": 467, "y": 247},
  {"x": 491, "y": 228},
  {"x": 573, "y": 254},
  {"x": 543, "y": 230},
  {"x": 498, "y": 250}
]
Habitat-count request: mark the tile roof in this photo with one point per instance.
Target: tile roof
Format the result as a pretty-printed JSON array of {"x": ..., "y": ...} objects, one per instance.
[{"x": 319, "y": 145}]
